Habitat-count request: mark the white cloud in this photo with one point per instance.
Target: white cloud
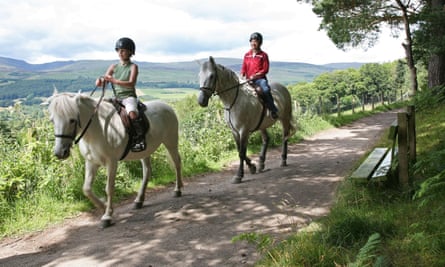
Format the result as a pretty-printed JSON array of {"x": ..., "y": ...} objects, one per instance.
[{"x": 172, "y": 30}]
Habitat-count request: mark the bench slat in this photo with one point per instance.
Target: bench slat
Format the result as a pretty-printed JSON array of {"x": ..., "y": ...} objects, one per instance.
[
  {"x": 384, "y": 167},
  {"x": 365, "y": 170}
]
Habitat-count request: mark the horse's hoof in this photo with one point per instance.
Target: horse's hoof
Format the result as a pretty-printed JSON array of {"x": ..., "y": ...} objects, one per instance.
[
  {"x": 236, "y": 180},
  {"x": 262, "y": 166},
  {"x": 138, "y": 205},
  {"x": 106, "y": 223},
  {"x": 283, "y": 164},
  {"x": 252, "y": 169},
  {"x": 178, "y": 193}
]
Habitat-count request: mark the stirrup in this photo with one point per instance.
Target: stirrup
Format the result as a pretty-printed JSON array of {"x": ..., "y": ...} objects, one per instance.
[
  {"x": 274, "y": 115},
  {"x": 138, "y": 147}
]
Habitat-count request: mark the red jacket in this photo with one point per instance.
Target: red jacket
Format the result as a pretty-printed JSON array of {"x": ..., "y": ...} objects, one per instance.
[{"x": 257, "y": 65}]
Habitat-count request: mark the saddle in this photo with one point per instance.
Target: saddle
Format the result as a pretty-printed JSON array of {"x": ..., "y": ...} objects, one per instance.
[
  {"x": 259, "y": 94},
  {"x": 134, "y": 131}
]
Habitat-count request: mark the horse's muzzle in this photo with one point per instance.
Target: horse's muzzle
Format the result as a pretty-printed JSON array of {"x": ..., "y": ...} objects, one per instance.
[
  {"x": 203, "y": 99},
  {"x": 62, "y": 151}
]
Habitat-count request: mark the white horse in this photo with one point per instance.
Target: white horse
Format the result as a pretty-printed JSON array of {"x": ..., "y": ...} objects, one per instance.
[
  {"x": 243, "y": 111},
  {"x": 104, "y": 140}
]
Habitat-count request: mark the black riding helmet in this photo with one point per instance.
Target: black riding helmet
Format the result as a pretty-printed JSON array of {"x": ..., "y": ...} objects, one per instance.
[
  {"x": 257, "y": 36},
  {"x": 126, "y": 43}
]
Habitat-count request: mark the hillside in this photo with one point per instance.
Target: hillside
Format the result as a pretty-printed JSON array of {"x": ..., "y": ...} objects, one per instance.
[{"x": 19, "y": 79}]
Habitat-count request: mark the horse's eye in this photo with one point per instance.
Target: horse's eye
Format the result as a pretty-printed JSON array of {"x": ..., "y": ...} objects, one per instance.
[{"x": 72, "y": 121}]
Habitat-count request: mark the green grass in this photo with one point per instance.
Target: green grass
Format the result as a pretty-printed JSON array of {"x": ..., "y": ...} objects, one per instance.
[
  {"x": 167, "y": 94},
  {"x": 375, "y": 225}
]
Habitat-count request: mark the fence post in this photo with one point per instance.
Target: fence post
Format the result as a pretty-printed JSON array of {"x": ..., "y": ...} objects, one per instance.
[
  {"x": 412, "y": 133},
  {"x": 403, "y": 148},
  {"x": 338, "y": 105}
]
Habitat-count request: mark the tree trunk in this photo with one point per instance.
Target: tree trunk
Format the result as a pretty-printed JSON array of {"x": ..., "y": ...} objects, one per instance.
[
  {"x": 436, "y": 64},
  {"x": 408, "y": 46},
  {"x": 436, "y": 70}
]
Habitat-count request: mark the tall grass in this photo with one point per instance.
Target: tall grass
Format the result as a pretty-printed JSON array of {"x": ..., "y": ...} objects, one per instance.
[
  {"x": 376, "y": 225},
  {"x": 36, "y": 189}
]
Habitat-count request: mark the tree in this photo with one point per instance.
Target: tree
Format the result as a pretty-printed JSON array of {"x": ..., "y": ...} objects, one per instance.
[
  {"x": 375, "y": 78},
  {"x": 429, "y": 41},
  {"x": 360, "y": 22}
]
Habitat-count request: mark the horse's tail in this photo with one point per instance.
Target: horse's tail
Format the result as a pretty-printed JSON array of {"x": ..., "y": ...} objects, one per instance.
[
  {"x": 289, "y": 121},
  {"x": 292, "y": 125}
]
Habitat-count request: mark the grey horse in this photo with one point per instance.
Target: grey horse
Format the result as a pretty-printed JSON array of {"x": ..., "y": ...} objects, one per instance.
[{"x": 243, "y": 111}]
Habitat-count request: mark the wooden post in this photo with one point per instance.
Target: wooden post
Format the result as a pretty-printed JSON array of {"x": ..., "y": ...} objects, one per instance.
[
  {"x": 403, "y": 149},
  {"x": 412, "y": 133},
  {"x": 338, "y": 105},
  {"x": 353, "y": 104},
  {"x": 363, "y": 101}
]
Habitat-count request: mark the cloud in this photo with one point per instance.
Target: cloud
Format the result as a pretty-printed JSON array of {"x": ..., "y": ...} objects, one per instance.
[{"x": 171, "y": 30}]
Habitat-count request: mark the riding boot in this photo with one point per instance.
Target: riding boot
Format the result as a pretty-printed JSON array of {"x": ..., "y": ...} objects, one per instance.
[
  {"x": 138, "y": 139},
  {"x": 271, "y": 105}
]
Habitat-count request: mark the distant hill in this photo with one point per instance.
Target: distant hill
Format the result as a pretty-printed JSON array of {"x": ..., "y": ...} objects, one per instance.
[{"x": 19, "y": 79}]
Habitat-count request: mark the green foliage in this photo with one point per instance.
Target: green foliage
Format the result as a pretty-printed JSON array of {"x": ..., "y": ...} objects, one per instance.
[
  {"x": 429, "y": 37},
  {"x": 432, "y": 97},
  {"x": 263, "y": 242},
  {"x": 351, "y": 227},
  {"x": 368, "y": 254},
  {"x": 31, "y": 179},
  {"x": 377, "y": 225},
  {"x": 432, "y": 145},
  {"x": 305, "y": 249},
  {"x": 341, "y": 90}
]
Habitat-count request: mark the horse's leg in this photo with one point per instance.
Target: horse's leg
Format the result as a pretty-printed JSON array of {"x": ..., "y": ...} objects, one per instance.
[
  {"x": 174, "y": 154},
  {"x": 90, "y": 174},
  {"x": 146, "y": 174},
  {"x": 284, "y": 153},
  {"x": 252, "y": 166},
  {"x": 109, "y": 189},
  {"x": 286, "y": 130},
  {"x": 242, "y": 153},
  {"x": 265, "y": 138}
]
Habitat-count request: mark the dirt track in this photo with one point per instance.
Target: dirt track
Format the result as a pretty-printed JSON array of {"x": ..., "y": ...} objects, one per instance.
[{"x": 196, "y": 229}]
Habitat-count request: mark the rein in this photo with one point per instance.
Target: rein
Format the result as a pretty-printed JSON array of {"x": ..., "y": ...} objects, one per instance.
[
  {"x": 237, "y": 86},
  {"x": 92, "y": 115}
]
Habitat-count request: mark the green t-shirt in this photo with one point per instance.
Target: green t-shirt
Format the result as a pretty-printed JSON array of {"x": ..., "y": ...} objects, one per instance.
[{"x": 122, "y": 72}]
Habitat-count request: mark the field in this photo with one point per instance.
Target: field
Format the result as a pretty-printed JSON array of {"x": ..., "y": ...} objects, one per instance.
[{"x": 167, "y": 94}]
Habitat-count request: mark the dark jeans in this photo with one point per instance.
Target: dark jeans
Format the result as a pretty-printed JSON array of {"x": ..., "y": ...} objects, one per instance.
[{"x": 262, "y": 82}]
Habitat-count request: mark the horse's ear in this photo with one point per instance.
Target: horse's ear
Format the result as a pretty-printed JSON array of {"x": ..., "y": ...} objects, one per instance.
[
  {"x": 211, "y": 60},
  {"x": 46, "y": 101},
  {"x": 55, "y": 92}
]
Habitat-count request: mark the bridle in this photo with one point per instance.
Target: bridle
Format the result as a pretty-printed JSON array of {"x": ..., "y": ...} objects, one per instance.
[
  {"x": 210, "y": 91},
  {"x": 73, "y": 135}
]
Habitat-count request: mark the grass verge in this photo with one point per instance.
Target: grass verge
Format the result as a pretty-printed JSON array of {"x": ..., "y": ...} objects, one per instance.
[{"x": 374, "y": 225}]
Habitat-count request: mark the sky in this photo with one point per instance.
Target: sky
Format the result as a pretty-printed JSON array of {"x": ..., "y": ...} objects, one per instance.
[{"x": 41, "y": 31}]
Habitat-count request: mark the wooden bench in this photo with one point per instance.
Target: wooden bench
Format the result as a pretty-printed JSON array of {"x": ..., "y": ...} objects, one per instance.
[{"x": 378, "y": 164}]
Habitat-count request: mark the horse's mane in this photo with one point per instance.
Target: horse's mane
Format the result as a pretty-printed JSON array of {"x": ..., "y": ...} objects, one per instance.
[
  {"x": 248, "y": 89},
  {"x": 229, "y": 71},
  {"x": 65, "y": 104}
]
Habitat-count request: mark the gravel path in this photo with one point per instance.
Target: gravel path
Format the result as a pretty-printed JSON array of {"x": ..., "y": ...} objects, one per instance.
[{"x": 196, "y": 229}]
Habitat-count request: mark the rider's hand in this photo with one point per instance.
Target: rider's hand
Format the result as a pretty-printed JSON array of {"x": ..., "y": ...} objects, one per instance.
[{"x": 100, "y": 82}]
